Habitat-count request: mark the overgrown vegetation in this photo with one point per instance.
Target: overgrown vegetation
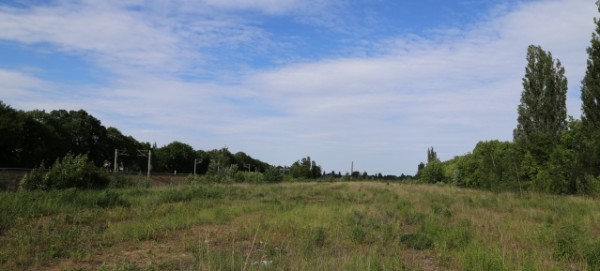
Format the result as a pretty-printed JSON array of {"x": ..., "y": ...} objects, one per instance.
[
  {"x": 550, "y": 153},
  {"x": 69, "y": 172},
  {"x": 316, "y": 226}
]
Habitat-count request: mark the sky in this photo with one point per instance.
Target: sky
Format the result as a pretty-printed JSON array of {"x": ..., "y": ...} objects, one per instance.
[{"x": 370, "y": 82}]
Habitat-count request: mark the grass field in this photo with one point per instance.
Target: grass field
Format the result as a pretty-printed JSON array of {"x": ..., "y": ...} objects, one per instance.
[{"x": 297, "y": 226}]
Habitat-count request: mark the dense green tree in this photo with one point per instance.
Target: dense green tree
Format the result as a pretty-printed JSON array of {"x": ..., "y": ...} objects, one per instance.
[
  {"x": 175, "y": 156},
  {"x": 10, "y": 135},
  {"x": 542, "y": 114},
  {"x": 272, "y": 175},
  {"x": 590, "y": 85},
  {"x": 128, "y": 150},
  {"x": 39, "y": 142},
  {"x": 431, "y": 155},
  {"x": 203, "y": 162},
  {"x": 29, "y": 139},
  {"x": 247, "y": 163},
  {"x": 433, "y": 171},
  {"x": 79, "y": 133},
  {"x": 420, "y": 168},
  {"x": 492, "y": 165},
  {"x": 305, "y": 168},
  {"x": 590, "y": 97},
  {"x": 220, "y": 159}
]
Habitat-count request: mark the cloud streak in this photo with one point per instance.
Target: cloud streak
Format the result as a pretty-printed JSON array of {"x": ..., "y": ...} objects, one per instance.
[{"x": 381, "y": 109}]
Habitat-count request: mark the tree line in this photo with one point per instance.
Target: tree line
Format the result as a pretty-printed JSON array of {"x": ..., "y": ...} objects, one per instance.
[
  {"x": 550, "y": 151},
  {"x": 70, "y": 139},
  {"x": 31, "y": 138}
]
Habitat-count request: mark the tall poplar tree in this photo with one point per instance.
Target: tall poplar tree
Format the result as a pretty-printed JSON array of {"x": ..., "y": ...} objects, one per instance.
[
  {"x": 542, "y": 113},
  {"x": 590, "y": 106},
  {"x": 431, "y": 155},
  {"x": 590, "y": 86}
]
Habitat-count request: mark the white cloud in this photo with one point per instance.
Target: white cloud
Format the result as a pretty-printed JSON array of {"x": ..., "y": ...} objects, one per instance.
[
  {"x": 267, "y": 6},
  {"x": 447, "y": 91},
  {"x": 14, "y": 83}
]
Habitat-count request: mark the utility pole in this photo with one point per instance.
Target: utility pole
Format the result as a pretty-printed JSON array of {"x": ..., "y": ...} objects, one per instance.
[
  {"x": 351, "y": 169},
  {"x": 147, "y": 153},
  {"x": 117, "y": 154},
  {"x": 196, "y": 161}
]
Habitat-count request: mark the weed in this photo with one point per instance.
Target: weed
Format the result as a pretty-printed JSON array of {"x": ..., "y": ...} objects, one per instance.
[
  {"x": 569, "y": 243},
  {"x": 119, "y": 180},
  {"x": 482, "y": 258},
  {"x": 453, "y": 237},
  {"x": 110, "y": 198},
  {"x": 358, "y": 234},
  {"x": 416, "y": 241},
  {"x": 441, "y": 210},
  {"x": 387, "y": 233},
  {"x": 593, "y": 256},
  {"x": 318, "y": 236},
  {"x": 414, "y": 218}
]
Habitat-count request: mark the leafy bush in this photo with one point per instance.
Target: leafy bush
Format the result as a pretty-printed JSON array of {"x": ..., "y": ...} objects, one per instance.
[
  {"x": 68, "y": 172},
  {"x": 272, "y": 175},
  {"x": 222, "y": 175},
  {"x": 35, "y": 180},
  {"x": 191, "y": 179},
  {"x": 433, "y": 172}
]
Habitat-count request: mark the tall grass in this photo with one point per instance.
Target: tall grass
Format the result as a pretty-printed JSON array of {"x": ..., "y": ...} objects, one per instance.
[{"x": 297, "y": 226}]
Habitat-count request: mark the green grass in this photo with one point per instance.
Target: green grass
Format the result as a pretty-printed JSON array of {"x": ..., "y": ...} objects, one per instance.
[{"x": 297, "y": 226}]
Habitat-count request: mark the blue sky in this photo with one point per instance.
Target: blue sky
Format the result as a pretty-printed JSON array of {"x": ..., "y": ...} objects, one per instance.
[{"x": 375, "y": 82}]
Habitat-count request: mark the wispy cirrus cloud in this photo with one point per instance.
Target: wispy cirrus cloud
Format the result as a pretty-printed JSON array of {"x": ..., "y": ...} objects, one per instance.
[{"x": 185, "y": 71}]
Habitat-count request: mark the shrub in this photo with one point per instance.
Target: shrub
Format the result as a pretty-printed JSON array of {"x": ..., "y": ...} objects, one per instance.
[
  {"x": 191, "y": 179},
  {"x": 222, "y": 175},
  {"x": 433, "y": 172},
  {"x": 68, "y": 172},
  {"x": 34, "y": 180},
  {"x": 272, "y": 175}
]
